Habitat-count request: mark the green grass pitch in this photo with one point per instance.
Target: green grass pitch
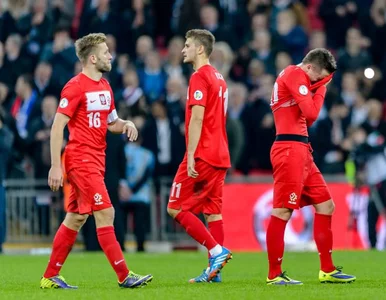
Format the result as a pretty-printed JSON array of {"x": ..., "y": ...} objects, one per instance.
[{"x": 243, "y": 277}]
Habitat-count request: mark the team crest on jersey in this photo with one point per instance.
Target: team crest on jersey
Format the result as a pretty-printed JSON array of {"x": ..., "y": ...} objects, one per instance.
[
  {"x": 303, "y": 90},
  {"x": 198, "y": 95},
  {"x": 102, "y": 98},
  {"x": 63, "y": 103}
]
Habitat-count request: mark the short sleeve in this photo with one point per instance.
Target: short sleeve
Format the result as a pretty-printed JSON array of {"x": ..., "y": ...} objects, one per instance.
[
  {"x": 299, "y": 86},
  {"x": 70, "y": 99},
  {"x": 198, "y": 90}
]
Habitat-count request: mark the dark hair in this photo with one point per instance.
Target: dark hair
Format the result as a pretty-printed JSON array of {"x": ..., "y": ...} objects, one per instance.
[
  {"x": 204, "y": 38},
  {"x": 321, "y": 58}
]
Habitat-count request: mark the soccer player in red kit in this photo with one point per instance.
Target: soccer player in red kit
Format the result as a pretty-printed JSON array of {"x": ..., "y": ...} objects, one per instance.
[
  {"x": 296, "y": 104},
  {"x": 87, "y": 108},
  {"x": 197, "y": 186}
]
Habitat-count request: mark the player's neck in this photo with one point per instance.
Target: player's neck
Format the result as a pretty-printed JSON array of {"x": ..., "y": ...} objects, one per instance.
[
  {"x": 92, "y": 74},
  {"x": 200, "y": 62}
]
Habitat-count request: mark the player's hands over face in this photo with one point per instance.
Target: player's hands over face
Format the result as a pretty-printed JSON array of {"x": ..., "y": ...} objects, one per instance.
[
  {"x": 191, "y": 167},
  {"x": 131, "y": 131},
  {"x": 55, "y": 178}
]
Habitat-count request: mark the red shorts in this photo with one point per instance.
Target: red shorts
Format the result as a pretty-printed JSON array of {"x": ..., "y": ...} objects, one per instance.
[
  {"x": 198, "y": 195},
  {"x": 297, "y": 180},
  {"x": 88, "y": 191}
]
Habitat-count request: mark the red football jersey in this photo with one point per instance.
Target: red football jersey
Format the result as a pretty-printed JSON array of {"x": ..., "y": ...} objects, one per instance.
[
  {"x": 90, "y": 106},
  {"x": 291, "y": 88},
  {"x": 208, "y": 88}
]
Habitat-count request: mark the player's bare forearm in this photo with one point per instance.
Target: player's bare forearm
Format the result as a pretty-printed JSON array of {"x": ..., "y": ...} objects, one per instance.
[
  {"x": 120, "y": 126},
  {"x": 56, "y": 141},
  {"x": 195, "y": 127},
  {"x": 117, "y": 126}
]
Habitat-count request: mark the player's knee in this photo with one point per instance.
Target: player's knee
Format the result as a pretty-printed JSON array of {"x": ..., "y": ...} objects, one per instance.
[
  {"x": 104, "y": 217},
  {"x": 282, "y": 213},
  {"x": 325, "y": 208},
  {"x": 75, "y": 221},
  {"x": 173, "y": 212}
]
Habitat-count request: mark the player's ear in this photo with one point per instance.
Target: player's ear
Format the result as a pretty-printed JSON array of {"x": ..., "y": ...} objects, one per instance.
[{"x": 93, "y": 58}]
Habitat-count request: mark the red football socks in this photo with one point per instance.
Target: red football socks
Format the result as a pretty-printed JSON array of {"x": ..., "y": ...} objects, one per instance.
[
  {"x": 196, "y": 229},
  {"x": 323, "y": 240},
  {"x": 275, "y": 245},
  {"x": 216, "y": 229},
  {"x": 112, "y": 249},
  {"x": 61, "y": 247}
]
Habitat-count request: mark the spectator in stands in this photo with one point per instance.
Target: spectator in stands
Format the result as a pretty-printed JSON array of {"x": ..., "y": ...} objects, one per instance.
[
  {"x": 354, "y": 56},
  {"x": 132, "y": 101},
  {"x": 329, "y": 140},
  {"x": 210, "y": 21},
  {"x": 152, "y": 77},
  {"x": 175, "y": 98},
  {"x": 61, "y": 55},
  {"x": 10, "y": 18},
  {"x": 137, "y": 21},
  {"x": 43, "y": 84},
  {"x": 173, "y": 64},
  {"x": 63, "y": 12},
  {"x": 15, "y": 63},
  {"x": 283, "y": 59},
  {"x": 317, "y": 40},
  {"x": 289, "y": 36},
  {"x": 143, "y": 47},
  {"x": 164, "y": 140},
  {"x": 350, "y": 88},
  {"x": 26, "y": 105},
  {"x": 262, "y": 50},
  {"x": 6, "y": 141},
  {"x": 222, "y": 59},
  {"x": 185, "y": 16},
  {"x": 136, "y": 195},
  {"x": 338, "y": 16},
  {"x": 37, "y": 25}
]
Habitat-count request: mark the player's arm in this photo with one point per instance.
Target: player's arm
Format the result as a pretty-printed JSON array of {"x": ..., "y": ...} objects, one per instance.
[
  {"x": 309, "y": 105},
  {"x": 120, "y": 126},
  {"x": 194, "y": 129},
  {"x": 55, "y": 177}
]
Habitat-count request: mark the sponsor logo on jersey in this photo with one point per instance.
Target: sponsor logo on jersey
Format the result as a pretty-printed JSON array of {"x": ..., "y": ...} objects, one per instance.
[
  {"x": 198, "y": 95},
  {"x": 63, "y": 103},
  {"x": 98, "y": 100},
  {"x": 303, "y": 90}
]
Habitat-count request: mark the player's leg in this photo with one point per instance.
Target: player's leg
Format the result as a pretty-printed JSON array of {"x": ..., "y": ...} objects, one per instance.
[
  {"x": 104, "y": 220},
  {"x": 186, "y": 198},
  {"x": 288, "y": 161},
  {"x": 63, "y": 241},
  {"x": 212, "y": 212},
  {"x": 316, "y": 193}
]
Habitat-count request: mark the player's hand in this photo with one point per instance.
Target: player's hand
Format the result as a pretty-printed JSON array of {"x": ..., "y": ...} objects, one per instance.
[
  {"x": 55, "y": 178},
  {"x": 191, "y": 167},
  {"x": 131, "y": 131},
  {"x": 124, "y": 192}
]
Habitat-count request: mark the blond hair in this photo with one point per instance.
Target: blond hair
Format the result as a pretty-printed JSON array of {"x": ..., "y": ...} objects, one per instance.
[
  {"x": 204, "y": 38},
  {"x": 85, "y": 45}
]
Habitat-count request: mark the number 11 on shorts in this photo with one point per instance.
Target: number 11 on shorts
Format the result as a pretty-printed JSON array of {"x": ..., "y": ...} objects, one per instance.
[{"x": 176, "y": 188}]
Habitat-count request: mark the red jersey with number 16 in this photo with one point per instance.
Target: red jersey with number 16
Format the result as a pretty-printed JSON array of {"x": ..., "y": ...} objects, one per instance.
[
  {"x": 291, "y": 88},
  {"x": 208, "y": 88},
  {"x": 90, "y": 106}
]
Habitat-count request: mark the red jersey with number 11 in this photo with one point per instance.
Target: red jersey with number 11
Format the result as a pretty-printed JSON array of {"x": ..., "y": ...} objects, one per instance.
[
  {"x": 208, "y": 88},
  {"x": 90, "y": 106}
]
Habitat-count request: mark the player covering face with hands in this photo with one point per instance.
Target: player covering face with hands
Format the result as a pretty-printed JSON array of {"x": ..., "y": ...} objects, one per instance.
[
  {"x": 197, "y": 186},
  {"x": 297, "y": 97},
  {"x": 87, "y": 108}
]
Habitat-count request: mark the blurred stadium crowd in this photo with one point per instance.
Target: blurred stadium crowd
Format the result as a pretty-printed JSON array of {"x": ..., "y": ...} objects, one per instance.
[{"x": 256, "y": 39}]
